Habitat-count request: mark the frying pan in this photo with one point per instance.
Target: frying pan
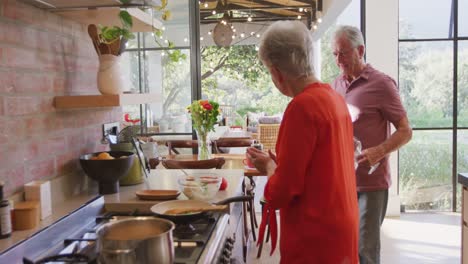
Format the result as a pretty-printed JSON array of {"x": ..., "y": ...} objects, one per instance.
[{"x": 160, "y": 209}]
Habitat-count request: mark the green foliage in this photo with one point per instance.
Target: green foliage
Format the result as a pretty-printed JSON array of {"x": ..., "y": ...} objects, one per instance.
[
  {"x": 417, "y": 170},
  {"x": 111, "y": 34},
  {"x": 329, "y": 69}
]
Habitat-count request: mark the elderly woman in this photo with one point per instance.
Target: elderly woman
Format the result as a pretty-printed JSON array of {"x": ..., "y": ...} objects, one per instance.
[{"x": 311, "y": 178}]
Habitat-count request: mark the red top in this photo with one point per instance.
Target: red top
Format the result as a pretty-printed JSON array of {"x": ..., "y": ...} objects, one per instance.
[
  {"x": 376, "y": 97},
  {"x": 314, "y": 183}
]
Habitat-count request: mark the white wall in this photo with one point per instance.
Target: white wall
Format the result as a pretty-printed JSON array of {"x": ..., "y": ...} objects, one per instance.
[{"x": 382, "y": 54}]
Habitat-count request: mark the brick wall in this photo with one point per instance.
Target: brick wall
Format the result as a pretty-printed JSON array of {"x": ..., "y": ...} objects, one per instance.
[{"x": 43, "y": 55}]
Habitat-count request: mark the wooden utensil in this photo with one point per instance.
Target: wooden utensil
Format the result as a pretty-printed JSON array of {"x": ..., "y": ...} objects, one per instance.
[
  {"x": 178, "y": 211},
  {"x": 93, "y": 34}
]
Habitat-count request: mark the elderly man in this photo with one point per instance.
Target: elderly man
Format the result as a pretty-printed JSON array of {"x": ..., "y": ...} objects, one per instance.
[
  {"x": 311, "y": 180},
  {"x": 375, "y": 96}
]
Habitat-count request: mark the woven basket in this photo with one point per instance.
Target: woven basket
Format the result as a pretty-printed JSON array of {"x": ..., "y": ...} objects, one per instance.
[{"x": 268, "y": 134}]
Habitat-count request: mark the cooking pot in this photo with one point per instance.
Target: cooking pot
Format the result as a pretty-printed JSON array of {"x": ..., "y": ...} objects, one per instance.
[
  {"x": 136, "y": 240},
  {"x": 160, "y": 209}
]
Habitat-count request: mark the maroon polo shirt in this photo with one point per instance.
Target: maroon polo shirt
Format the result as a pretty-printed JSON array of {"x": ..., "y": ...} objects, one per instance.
[{"x": 375, "y": 95}]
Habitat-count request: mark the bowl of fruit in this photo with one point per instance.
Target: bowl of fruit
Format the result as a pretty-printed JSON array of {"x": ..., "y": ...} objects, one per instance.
[{"x": 107, "y": 168}]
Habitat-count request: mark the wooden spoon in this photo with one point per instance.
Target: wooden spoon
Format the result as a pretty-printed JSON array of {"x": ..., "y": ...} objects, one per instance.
[
  {"x": 93, "y": 33},
  {"x": 180, "y": 211}
]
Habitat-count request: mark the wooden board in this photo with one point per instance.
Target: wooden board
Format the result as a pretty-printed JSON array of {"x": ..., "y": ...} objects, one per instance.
[{"x": 142, "y": 22}]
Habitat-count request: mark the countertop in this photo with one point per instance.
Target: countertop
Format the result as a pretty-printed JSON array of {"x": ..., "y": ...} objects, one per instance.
[
  {"x": 463, "y": 178},
  {"x": 126, "y": 199}
]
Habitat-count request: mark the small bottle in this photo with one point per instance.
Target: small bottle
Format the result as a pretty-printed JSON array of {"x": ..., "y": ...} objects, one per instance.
[
  {"x": 5, "y": 215},
  {"x": 256, "y": 144}
]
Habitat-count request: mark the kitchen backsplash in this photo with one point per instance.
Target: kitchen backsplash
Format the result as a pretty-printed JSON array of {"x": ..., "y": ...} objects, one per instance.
[{"x": 43, "y": 55}]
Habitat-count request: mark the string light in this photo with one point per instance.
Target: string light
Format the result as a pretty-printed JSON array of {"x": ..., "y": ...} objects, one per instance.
[
  {"x": 249, "y": 19},
  {"x": 242, "y": 34},
  {"x": 214, "y": 12},
  {"x": 299, "y": 17},
  {"x": 209, "y": 32},
  {"x": 205, "y": 5},
  {"x": 301, "y": 9},
  {"x": 185, "y": 40}
]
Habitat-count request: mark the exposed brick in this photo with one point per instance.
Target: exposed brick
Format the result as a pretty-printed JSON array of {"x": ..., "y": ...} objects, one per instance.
[
  {"x": 40, "y": 169},
  {"x": 13, "y": 129},
  {"x": 14, "y": 9},
  {"x": 33, "y": 83},
  {"x": 67, "y": 162},
  {"x": 36, "y": 124},
  {"x": 76, "y": 141},
  {"x": 1, "y": 106},
  {"x": 14, "y": 179},
  {"x": 21, "y": 105},
  {"x": 7, "y": 82},
  {"x": 11, "y": 155}
]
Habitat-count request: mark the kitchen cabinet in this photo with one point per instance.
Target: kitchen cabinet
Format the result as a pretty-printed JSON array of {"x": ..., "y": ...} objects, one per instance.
[
  {"x": 117, "y": 100},
  {"x": 463, "y": 179}
]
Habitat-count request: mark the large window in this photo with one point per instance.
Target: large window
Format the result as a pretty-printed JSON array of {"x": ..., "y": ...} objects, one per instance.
[
  {"x": 434, "y": 86},
  {"x": 160, "y": 64}
]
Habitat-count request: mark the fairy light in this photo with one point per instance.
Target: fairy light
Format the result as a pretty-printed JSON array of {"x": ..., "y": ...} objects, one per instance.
[
  {"x": 252, "y": 33},
  {"x": 299, "y": 17},
  {"x": 234, "y": 30},
  {"x": 258, "y": 35},
  {"x": 242, "y": 34},
  {"x": 201, "y": 38},
  {"x": 214, "y": 12},
  {"x": 185, "y": 40},
  {"x": 301, "y": 9},
  {"x": 205, "y": 5},
  {"x": 256, "y": 48},
  {"x": 209, "y": 32},
  {"x": 249, "y": 19},
  {"x": 163, "y": 28}
]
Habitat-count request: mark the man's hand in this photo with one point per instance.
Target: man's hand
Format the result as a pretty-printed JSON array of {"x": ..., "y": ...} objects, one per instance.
[
  {"x": 371, "y": 156},
  {"x": 265, "y": 163}
]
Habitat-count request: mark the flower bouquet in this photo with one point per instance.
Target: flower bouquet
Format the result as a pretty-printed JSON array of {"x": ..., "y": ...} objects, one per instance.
[{"x": 204, "y": 116}]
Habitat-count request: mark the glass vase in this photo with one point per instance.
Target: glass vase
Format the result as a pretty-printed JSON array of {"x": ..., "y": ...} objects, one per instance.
[{"x": 204, "y": 145}]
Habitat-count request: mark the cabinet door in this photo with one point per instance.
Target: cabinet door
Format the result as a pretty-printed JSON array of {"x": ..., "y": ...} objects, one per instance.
[{"x": 465, "y": 244}]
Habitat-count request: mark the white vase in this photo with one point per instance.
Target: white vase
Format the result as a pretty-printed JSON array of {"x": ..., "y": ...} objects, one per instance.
[{"x": 110, "y": 77}]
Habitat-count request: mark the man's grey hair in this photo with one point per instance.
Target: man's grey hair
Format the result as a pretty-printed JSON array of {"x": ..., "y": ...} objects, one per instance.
[
  {"x": 353, "y": 34},
  {"x": 288, "y": 46}
]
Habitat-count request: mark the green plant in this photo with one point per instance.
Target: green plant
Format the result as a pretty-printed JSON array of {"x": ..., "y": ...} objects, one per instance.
[{"x": 111, "y": 34}]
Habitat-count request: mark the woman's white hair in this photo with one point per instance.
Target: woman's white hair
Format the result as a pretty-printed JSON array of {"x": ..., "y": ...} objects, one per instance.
[
  {"x": 288, "y": 46},
  {"x": 353, "y": 34}
]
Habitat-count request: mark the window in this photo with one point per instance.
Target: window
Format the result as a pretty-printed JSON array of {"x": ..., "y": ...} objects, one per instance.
[
  {"x": 428, "y": 76},
  {"x": 160, "y": 64}
]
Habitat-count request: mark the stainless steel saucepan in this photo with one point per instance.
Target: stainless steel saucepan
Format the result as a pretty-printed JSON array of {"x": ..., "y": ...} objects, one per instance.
[{"x": 136, "y": 240}]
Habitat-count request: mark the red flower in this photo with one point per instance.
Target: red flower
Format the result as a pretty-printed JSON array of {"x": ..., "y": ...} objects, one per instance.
[{"x": 207, "y": 106}]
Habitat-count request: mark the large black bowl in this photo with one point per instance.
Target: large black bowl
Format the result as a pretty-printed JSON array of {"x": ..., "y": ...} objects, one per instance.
[{"x": 107, "y": 172}]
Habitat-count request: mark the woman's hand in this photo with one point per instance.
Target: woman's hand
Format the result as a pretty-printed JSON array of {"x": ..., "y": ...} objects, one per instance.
[{"x": 264, "y": 162}]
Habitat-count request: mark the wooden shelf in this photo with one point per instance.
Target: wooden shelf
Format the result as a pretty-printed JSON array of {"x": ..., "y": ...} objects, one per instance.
[
  {"x": 90, "y": 101},
  {"x": 142, "y": 22}
]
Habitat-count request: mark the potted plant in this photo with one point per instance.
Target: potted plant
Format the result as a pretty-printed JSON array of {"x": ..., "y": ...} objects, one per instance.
[{"x": 109, "y": 43}]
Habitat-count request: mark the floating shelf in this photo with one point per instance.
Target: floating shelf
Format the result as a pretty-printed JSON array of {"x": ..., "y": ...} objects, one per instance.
[
  {"x": 90, "y": 101},
  {"x": 142, "y": 22}
]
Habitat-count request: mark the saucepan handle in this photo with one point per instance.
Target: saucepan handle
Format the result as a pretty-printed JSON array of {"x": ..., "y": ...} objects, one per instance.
[{"x": 244, "y": 198}]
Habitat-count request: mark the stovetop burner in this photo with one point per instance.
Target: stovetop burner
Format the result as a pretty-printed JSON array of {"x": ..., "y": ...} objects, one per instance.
[{"x": 72, "y": 239}]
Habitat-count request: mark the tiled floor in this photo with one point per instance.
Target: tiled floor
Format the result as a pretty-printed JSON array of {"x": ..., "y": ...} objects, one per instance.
[{"x": 413, "y": 238}]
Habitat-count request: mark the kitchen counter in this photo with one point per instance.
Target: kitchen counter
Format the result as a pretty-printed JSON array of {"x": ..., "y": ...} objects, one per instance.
[
  {"x": 463, "y": 178},
  {"x": 126, "y": 199},
  {"x": 164, "y": 179}
]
